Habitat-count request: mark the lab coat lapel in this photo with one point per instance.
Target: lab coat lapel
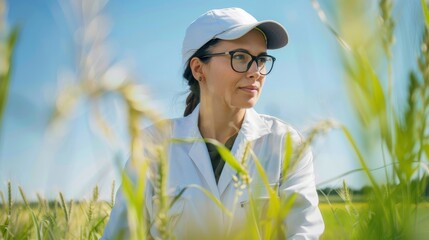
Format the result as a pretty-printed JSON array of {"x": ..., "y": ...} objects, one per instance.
[
  {"x": 199, "y": 154},
  {"x": 253, "y": 127}
]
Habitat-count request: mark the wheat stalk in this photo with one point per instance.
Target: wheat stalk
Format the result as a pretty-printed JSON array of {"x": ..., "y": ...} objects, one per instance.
[
  {"x": 42, "y": 202},
  {"x": 3, "y": 199},
  {"x": 112, "y": 195},
  {"x": 9, "y": 199},
  {"x": 24, "y": 197},
  {"x": 64, "y": 208},
  {"x": 94, "y": 199}
]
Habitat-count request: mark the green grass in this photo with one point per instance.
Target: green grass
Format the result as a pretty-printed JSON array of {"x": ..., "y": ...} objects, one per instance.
[
  {"x": 340, "y": 224},
  {"x": 337, "y": 216},
  {"x": 53, "y": 220}
]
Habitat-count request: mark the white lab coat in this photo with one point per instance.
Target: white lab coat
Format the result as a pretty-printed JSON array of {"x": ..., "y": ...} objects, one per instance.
[{"x": 195, "y": 215}]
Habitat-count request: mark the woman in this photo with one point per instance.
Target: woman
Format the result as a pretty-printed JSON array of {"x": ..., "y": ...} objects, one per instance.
[{"x": 225, "y": 52}]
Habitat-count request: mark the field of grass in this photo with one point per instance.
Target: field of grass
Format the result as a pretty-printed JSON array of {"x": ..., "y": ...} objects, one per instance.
[
  {"x": 338, "y": 223},
  {"x": 86, "y": 220},
  {"x": 341, "y": 221},
  {"x": 60, "y": 219}
]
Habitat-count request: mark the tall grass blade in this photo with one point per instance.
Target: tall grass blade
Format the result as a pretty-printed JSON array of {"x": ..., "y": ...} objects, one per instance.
[
  {"x": 212, "y": 198},
  {"x": 287, "y": 158},
  {"x": 263, "y": 175},
  {"x": 322, "y": 17},
  {"x": 374, "y": 183},
  {"x": 134, "y": 197},
  {"x": 227, "y": 156},
  {"x": 273, "y": 202},
  {"x": 6, "y": 75},
  {"x": 341, "y": 176},
  {"x": 425, "y": 9}
]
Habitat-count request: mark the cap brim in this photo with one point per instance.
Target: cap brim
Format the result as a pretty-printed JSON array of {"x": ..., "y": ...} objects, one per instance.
[{"x": 276, "y": 34}]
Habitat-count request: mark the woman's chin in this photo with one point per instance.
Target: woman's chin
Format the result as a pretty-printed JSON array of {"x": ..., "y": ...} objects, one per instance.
[{"x": 246, "y": 104}]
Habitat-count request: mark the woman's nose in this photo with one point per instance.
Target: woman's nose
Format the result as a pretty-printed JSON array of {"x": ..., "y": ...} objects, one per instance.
[{"x": 253, "y": 71}]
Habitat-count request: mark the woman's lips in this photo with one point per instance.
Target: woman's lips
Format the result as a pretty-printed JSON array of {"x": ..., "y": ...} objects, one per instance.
[{"x": 249, "y": 89}]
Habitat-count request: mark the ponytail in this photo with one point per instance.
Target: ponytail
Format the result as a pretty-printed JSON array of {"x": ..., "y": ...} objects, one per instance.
[
  {"x": 191, "y": 103},
  {"x": 193, "y": 98}
]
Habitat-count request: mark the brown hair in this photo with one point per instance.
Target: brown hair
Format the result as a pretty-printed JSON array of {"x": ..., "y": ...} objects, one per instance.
[{"x": 194, "y": 96}]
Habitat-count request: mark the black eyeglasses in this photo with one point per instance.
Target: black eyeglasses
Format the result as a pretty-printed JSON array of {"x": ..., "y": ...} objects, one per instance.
[{"x": 241, "y": 61}]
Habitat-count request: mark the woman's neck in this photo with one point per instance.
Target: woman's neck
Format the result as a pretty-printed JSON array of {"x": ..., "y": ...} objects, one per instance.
[{"x": 218, "y": 121}]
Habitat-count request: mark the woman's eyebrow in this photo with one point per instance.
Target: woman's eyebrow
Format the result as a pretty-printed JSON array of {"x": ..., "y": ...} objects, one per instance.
[
  {"x": 263, "y": 53},
  {"x": 246, "y": 51}
]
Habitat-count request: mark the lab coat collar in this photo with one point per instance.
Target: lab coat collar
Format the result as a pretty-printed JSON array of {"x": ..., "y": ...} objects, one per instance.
[{"x": 253, "y": 127}]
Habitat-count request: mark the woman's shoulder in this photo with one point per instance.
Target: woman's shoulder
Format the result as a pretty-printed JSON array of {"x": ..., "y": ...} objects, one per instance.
[
  {"x": 167, "y": 127},
  {"x": 157, "y": 131},
  {"x": 281, "y": 127}
]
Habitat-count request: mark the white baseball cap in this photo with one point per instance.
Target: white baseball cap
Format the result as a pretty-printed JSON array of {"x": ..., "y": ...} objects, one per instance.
[{"x": 229, "y": 24}]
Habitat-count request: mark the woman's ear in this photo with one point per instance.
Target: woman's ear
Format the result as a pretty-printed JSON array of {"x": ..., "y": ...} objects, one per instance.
[{"x": 196, "y": 66}]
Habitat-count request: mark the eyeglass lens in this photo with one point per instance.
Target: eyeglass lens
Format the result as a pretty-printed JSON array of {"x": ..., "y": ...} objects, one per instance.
[{"x": 242, "y": 61}]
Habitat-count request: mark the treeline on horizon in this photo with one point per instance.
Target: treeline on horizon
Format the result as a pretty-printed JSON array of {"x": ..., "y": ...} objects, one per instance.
[{"x": 359, "y": 194}]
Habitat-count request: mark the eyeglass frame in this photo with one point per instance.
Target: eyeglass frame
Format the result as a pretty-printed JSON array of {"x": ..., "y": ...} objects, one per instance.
[{"x": 254, "y": 59}]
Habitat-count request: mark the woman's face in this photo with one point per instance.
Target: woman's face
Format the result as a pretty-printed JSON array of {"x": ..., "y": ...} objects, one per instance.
[{"x": 222, "y": 84}]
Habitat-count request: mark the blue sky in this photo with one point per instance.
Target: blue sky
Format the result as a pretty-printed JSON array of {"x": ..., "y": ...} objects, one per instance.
[{"x": 306, "y": 86}]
